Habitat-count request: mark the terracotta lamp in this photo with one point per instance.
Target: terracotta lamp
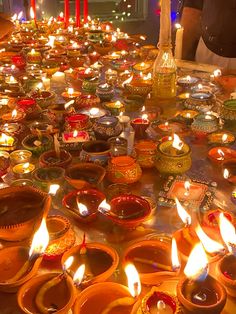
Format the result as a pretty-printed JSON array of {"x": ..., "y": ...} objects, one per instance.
[
  {"x": 220, "y": 154},
  {"x": 162, "y": 262},
  {"x": 99, "y": 259},
  {"x": 199, "y": 292}
]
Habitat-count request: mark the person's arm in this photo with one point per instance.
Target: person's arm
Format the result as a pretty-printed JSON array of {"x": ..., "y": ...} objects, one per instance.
[{"x": 191, "y": 21}]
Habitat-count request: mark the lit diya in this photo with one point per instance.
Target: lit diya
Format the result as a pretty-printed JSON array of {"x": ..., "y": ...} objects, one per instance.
[
  {"x": 229, "y": 170},
  {"x": 221, "y": 138},
  {"x": 84, "y": 204},
  {"x": 75, "y": 137},
  {"x": 140, "y": 125},
  {"x": 199, "y": 292},
  {"x": 168, "y": 128},
  {"x": 204, "y": 124},
  {"x": 186, "y": 82},
  {"x": 7, "y": 143},
  {"x": 87, "y": 101},
  {"x": 53, "y": 158},
  {"x": 51, "y": 292},
  {"x": 127, "y": 211},
  {"x": 110, "y": 297},
  {"x": 187, "y": 115},
  {"x": 23, "y": 170},
  {"x": 43, "y": 98},
  {"x": 139, "y": 86},
  {"x": 70, "y": 94},
  {"x": 105, "y": 92},
  {"x": 220, "y": 154},
  {"x": 47, "y": 176},
  {"x": 37, "y": 144},
  {"x": 99, "y": 259},
  {"x": 162, "y": 261},
  {"x": 14, "y": 116},
  {"x": 226, "y": 266},
  {"x": 115, "y": 107},
  {"x": 173, "y": 156},
  {"x": 19, "y": 264},
  {"x": 20, "y": 156}
]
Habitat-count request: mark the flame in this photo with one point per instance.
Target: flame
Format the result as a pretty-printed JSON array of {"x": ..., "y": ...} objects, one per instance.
[
  {"x": 75, "y": 133},
  {"x": 188, "y": 78},
  {"x": 224, "y": 137},
  {"x": 32, "y": 14},
  {"x": 53, "y": 189},
  {"x": 227, "y": 232},
  {"x": 145, "y": 116},
  {"x": 128, "y": 81},
  {"x": 6, "y": 140},
  {"x": 217, "y": 73},
  {"x": 197, "y": 264},
  {"x": 94, "y": 111},
  {"x": 187, "y": 185},
  {"x": 226, "y": 174},
  {"x": 14, "y": 17},
  {"x": 178, "y": 26},
  {"x": 88, "y": 71},
  {"x": 26, "y": 166},
  {"x": 68, "y": 104},
  {"x": 177, "y": 143},
  {"x": 70, "y": 91},
  {"x": 174, "y": 256},
  {"x": 200, "y": 86},
  {"x": 40, "y": 86},
  {"x": 210, "y": 245},
  {"x": 83, "y": 210},
  {"x": 68, "y": 263},
  {"x": 184, "y": 216},
  {"x": 208, "y": 117},
  {"x": 134, "y": 283},
  {"x": 221, "y": 153},
  {"x": 104, "y": 207},
  {"x": 51, "y": 41},
  {"x": 40, "y": 240},
  {"x": 148, "y": 77},
  {"x": 14, "y": 114},
  {"x": 79, "y": 275}
]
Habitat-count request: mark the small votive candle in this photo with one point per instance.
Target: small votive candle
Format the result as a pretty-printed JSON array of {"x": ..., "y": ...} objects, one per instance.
[
  {"x": 20, "y": 156},
  {"x": 23, "y": 170}
]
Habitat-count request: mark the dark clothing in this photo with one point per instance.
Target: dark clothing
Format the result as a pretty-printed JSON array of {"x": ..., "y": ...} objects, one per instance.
[{"x": 218, "y": 25}]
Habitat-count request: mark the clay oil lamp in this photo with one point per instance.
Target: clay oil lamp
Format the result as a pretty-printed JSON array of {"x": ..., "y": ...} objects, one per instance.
[
  {"x": 127, "y": 211},
  {"x": 16, "y": 130},
  {"x": 20, "y": 156},
  {"x": 110, "y": 297},
  {"x": 11, "y": 81},
  {"x": 62, "y": 237},
  {"x": 146, "y": 152},
  {"x": 44, "y": 177},
  {"x": 73, "y": 50},
  {"x": 4, "y": 162},
  {"x": 173, "y": 156},
  {"x": 105, "y": 92},
  {"x": 157, "y": 301},
  {"x": 70, "y": 94},
  {"x": 50, "y": 67},
  {"x": 87, "y": 101},
  {"x": 118, "y": 146},
  {"x": 85, "y": 73},
  {"x": 34, "y": 57},
  {"x": 199, "y": 292},
  {"x": 83, "y": 204},
  {"x": 100, "y": 261},
  {"x": 75, "y": 137},
  {"x": 162, "y": 262},
  {"x": 187, "y": 115},
  {"x": 168, "y": 128},
  {"x": 22, "y": 262},
  {"x": 50, "y": 292},
  {"x": 29, "y": 106},
  {"x": 7, "y": 143},
  {"x": 143, "y": 67},
  {"x": 229, "y": 170},
  {"x": 93, "y": 57},
  {"x": 200, "y": 101},
  {"x": 55, "y": 158},
  {"x": 96, "y": 151},
  {"x": 123, "y": 169},
  {"x": 90, "y": 85},
  {"x": 43, "y": 98},
  {"x": 204, "y": 125},
  {"x": 23, "y": 170},
  {"x": 94, "y": 113},
  {"x": 140, "y": 125},
  {"x": 133, "y": 103},
  {"x": 106, "y": 127},
  {"x": 186, "y": 82},
  {"x": 77, "y": 121},
  {"x": 226, "y": 266},
  {"x": 121, "y": 65},
  {"x": 103, "y": 48},
  {"x": 37, "y": 144},
  {"x": 223, "y": 138},
  {"x": 141, "y": 86},
  {"x": 114, "y": 107},
  {"x": 219, "y": 155},
  {"x": 13, "y": 117},
  {"x": 111, "y": 76},
  {"x": 228, "y": 110}
]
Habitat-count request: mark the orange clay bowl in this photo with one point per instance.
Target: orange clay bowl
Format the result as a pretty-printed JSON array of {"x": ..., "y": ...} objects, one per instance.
[
  {"x": 103, "y": 261},
  {"x": 226, "y": 268},
  {"x": 83, "y": 175},
  {"x": 11, "y": 260},
  {"x": 63, "y": 295},
  {"x": 95, "y": 299},
  {"x": 228, "y": 82},
  {"x": 148, "y": 256},
  {"x": 21, "y": 210}
]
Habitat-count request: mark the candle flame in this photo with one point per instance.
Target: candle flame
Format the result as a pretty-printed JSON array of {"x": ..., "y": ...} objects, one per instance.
[
  {"x": 209, "y": 245},
  {"x": 226, "y": 174},
  {"x": 208, "y": 117},
  {"x": 183, "y": 214},
  {"x": 174, "y": 255},
  {"x": 14, "y": 17},
  {"x": 221, "y": 153},
  {"x": 227, "y": 232},
  {"x": 88, "y": 71},
  {"x": 187, "y": 185},
  {"x": 147, "y": 77},
  {"x": 128, "y": 81},
  {"x": 188, "y": 78},
  {"x": 68, "y": 263},
  {"x": 75, "y": 133},
  {"x": 26, "y": 166},
  {"x": 200, "y": 86},
  {"x": 217, "y": 73},
  {"x": 177, "y": 143},
  {"x": 32, "y": 14},
  {"x": 51, "y": 41},
  {"x": 104, "y": 207},
  {"x": 70, "y": 91},
  {"x": 83, "y": 210},
  {"x": 178, "y": 26},
  {"x": 53, "y": 189},
  {"x": 134, "y": 283},
  {"x": 14, "y": 114},
  {"x": 94, "y": 111},
  {"x": 224, "y": 138},
  {"x": 145, "y": 116},
  {"x": 197, "y": 265},
  {"x": 79, "y": 275},
  {"x": 6, "y": 140},
  {"x": 40, "y": 240}
]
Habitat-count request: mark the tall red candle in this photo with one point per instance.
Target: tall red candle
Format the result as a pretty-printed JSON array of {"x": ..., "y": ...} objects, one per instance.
[
  {"x": 85, "y": 11},
  {"x": 33, "y": 6},
  {"x": 67, "y": 12},
  {"x": 77, "y": 12}
]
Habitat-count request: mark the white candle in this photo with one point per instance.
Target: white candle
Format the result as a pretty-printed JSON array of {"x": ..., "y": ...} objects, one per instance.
[
  {"x": 179, "y": 41},
  {"x": 58, "y": 78},
  {"x": 46, "y": 83}
]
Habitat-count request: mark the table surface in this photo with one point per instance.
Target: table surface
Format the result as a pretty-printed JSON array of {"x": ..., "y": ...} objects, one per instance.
[{"x": 165, "y": 220}]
